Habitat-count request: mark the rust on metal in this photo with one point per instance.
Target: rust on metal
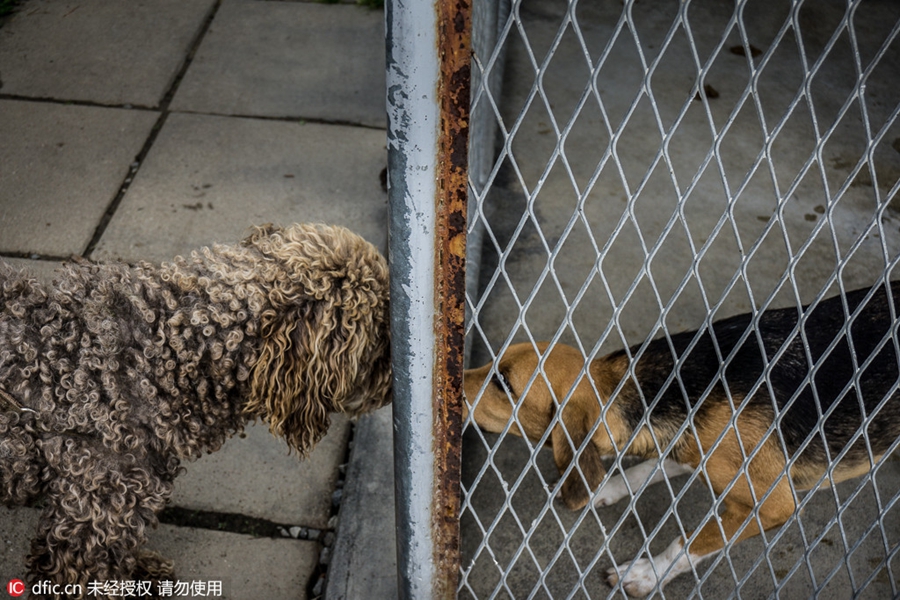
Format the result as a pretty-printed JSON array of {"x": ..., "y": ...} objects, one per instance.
[{"x": 454, "y": 52}]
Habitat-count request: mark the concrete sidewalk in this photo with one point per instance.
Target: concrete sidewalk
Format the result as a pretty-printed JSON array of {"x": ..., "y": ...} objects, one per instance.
[{"x": 139, "y": 131}]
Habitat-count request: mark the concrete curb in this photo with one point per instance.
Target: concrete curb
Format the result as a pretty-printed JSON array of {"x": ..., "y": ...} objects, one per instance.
[{"x": 364, "y": 562}]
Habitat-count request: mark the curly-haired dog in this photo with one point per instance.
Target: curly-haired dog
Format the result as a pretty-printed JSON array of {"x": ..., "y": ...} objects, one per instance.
[
  {"x": 764, "y": 407},
  {"x": 119, "y": 372}
]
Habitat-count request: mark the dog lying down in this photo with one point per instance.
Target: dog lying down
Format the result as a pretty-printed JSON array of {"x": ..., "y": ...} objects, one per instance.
[
  {"x": 116, "y": 374},
  {"x": 855, "y": 377}
]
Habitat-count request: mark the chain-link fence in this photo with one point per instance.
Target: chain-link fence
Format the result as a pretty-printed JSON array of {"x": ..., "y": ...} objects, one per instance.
[{"x": 662, "y": 165}]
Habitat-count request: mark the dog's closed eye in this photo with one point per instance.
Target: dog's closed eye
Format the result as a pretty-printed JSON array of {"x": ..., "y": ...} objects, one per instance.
[{"x": 500, "y": 380}]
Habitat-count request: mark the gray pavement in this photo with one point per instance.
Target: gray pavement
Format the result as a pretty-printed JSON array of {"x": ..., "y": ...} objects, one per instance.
[{"x": 140, "y": 131}]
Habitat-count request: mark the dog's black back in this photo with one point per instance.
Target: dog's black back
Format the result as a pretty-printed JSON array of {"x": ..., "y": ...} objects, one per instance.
[{"x": 819, "y": 344}]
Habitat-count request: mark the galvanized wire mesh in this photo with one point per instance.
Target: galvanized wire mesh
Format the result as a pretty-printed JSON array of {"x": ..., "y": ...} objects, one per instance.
[{"x": 659, "y": 166}]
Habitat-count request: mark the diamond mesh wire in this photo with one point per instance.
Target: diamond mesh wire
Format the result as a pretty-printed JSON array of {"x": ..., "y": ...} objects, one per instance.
[{"x": 659, "y": 166}]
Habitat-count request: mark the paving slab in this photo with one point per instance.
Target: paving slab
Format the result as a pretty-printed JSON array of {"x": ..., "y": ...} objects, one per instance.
[
  {"x": 364, "y": 560},
  {"x": 17, "y": 527},
  {"x": 60, "y": 168},
  {"x": 248, "y": 567},
  {"x": 208, "y": 178},
  {"x": 253, "y": 475},
  {"x": 101, "y": 51},
  {"x": 290, "y": 59},
  {"x": 44, "y": 270}
]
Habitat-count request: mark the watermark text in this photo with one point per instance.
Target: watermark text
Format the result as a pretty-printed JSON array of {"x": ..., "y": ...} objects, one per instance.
[{"x": 120, "y": 589}]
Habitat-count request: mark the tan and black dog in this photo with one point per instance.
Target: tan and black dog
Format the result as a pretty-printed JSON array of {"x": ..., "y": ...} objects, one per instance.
[{"x": 808, "y": 415}]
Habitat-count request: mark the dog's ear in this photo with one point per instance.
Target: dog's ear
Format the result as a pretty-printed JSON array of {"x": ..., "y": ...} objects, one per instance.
[
  {"x": 287, "y": 390},
  {"x": 315, "y": 360},
  {"x": 567, "y": 437}
]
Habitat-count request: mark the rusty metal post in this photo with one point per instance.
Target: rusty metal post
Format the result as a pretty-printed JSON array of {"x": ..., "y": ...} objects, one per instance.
[{"x": 428, "y": 53}]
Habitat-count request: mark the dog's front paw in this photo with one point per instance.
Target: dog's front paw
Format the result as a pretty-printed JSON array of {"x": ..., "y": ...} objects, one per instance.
[
  {"x": 638, "y": 582},
  {"x": 611, "y": 492},
  {"x": 153, "y": 565},
  {"x": 573, "y": 493},
  {"x": 642, "y": 575}
]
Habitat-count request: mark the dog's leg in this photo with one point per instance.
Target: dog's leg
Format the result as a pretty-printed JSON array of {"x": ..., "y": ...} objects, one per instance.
[
  {"x": 96, "y": 518},
  {"x": 621, "y": 485},
  {"x": 642, "y": 575},
  {"x": 21, "y": 463},
  {"x": 153, "y": 566},
  {"x": 765, "y": 472},
  {"x": 76, "y": 543},
  {"x": 575, "y": 491}
]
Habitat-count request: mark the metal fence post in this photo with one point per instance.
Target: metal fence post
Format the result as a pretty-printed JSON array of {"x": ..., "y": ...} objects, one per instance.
[{"x": 428, "y": 53}]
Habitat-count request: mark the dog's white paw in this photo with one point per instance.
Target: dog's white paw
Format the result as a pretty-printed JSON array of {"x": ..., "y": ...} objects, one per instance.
[
  {"x": 611, "y": 492},
  {"x": 642, "y": 575},
  {"x": 639, "y": 581}
]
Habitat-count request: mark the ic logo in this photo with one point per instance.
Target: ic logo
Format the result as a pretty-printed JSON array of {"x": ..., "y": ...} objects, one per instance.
[{"x": 15, "y": 587}]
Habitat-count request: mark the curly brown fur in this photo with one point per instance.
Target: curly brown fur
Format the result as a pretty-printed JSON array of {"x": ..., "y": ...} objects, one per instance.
[{"x": 118, "y": 372}]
